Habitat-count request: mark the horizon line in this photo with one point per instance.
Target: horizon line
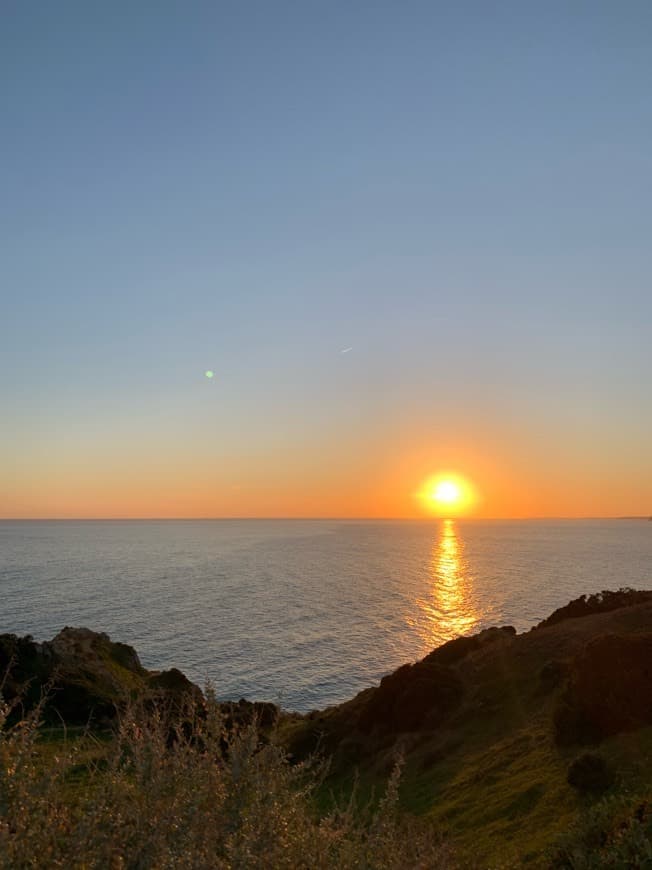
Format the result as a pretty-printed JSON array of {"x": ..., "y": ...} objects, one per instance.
[{"x": 322, "y": 518}]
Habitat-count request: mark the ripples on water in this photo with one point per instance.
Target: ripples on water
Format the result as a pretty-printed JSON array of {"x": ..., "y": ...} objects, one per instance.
[
  {"x": 449, "y": 609},
  {"x": 303, "y": 612}
]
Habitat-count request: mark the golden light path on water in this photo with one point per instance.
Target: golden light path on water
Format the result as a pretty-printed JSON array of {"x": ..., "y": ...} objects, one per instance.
[{"x": 449, "y": 610}]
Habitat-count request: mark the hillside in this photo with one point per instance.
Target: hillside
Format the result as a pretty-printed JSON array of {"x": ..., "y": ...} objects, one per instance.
[
  {"x": 505, "y": 740},
  {"x": 488, "y": 726}
]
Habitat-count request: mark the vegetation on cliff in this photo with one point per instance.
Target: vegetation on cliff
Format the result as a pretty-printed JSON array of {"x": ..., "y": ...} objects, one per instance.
[
  {"x": 599, "y": 602},
  {"x": 513, "y": 749},
  {"x": 216, "y": 795},
  {"x": 493, "y": 724}
]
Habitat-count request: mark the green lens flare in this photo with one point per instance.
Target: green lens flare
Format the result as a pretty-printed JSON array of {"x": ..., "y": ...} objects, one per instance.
[{"x": 209, "y": 374}]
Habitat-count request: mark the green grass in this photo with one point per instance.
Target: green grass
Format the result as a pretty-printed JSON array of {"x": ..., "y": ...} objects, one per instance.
[{"x": 491, "y": 775}]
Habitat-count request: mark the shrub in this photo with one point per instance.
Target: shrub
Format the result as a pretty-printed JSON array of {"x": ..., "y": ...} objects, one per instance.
[
  {"x": 590, "y": 773},
  {"x": 413, "y": 697},
  {"x": 552, "y": 675},
  {"x": 600, "y": 602},
  {"x": 615, "y": 833},
  {"x": 609, "y": 689},
  {"x": 212, "y": 798}
]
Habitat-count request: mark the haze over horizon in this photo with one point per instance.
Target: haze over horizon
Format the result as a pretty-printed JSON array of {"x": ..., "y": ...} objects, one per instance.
[{"x": 402, "y": 241}]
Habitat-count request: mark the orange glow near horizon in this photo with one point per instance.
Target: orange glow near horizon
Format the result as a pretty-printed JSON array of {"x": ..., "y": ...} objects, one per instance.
[{"x": 384, "y": 476}]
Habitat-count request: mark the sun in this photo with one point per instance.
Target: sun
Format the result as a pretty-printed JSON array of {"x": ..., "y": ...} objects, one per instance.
[{"x": 447, "y": 494}]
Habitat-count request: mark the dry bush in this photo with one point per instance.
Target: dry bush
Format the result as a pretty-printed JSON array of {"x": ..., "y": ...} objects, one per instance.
[{"x": 193, "y": 796}]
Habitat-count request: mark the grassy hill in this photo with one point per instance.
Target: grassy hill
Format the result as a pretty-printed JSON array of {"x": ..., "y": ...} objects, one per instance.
[{"x": 488, "y": 727}]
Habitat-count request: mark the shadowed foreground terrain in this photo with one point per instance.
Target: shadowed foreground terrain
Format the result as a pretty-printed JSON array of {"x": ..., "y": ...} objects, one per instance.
[{"x": 494, "y": 750}]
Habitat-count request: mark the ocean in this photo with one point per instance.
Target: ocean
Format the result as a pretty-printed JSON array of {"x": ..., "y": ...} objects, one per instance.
[{"x": 304, "y": 613}]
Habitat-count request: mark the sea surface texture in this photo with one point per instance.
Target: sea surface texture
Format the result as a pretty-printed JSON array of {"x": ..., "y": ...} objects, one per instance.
[{"x": 303, "y": 612}]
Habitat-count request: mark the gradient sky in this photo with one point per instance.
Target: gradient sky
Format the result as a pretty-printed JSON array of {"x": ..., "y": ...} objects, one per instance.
[{"x": 458, "y": 191}]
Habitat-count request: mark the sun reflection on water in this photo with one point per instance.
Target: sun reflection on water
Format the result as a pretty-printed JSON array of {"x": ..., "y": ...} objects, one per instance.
[{"x": 449, "y": 610}]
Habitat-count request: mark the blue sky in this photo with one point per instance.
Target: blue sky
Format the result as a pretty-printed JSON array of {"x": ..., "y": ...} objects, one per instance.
[{"x": 458, "y": 191}]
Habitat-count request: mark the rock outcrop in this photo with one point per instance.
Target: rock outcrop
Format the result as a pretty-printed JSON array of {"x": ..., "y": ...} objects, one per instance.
[{"x": 83, "y": 677}]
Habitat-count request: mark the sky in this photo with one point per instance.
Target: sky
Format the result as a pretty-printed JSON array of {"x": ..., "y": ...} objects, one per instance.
[{"x": 457, "y": 194}]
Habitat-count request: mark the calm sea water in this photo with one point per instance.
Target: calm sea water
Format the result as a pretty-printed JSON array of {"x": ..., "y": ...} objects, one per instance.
[{"x": 303, "y": 612}]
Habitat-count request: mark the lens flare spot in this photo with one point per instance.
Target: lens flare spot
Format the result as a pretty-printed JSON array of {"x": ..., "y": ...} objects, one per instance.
[{"x": 209, "y": 374}]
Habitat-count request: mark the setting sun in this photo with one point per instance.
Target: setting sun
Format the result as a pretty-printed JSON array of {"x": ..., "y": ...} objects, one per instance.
[
  {"x": 447, "y": 492},
  {"x": 447, "y": 495}
]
